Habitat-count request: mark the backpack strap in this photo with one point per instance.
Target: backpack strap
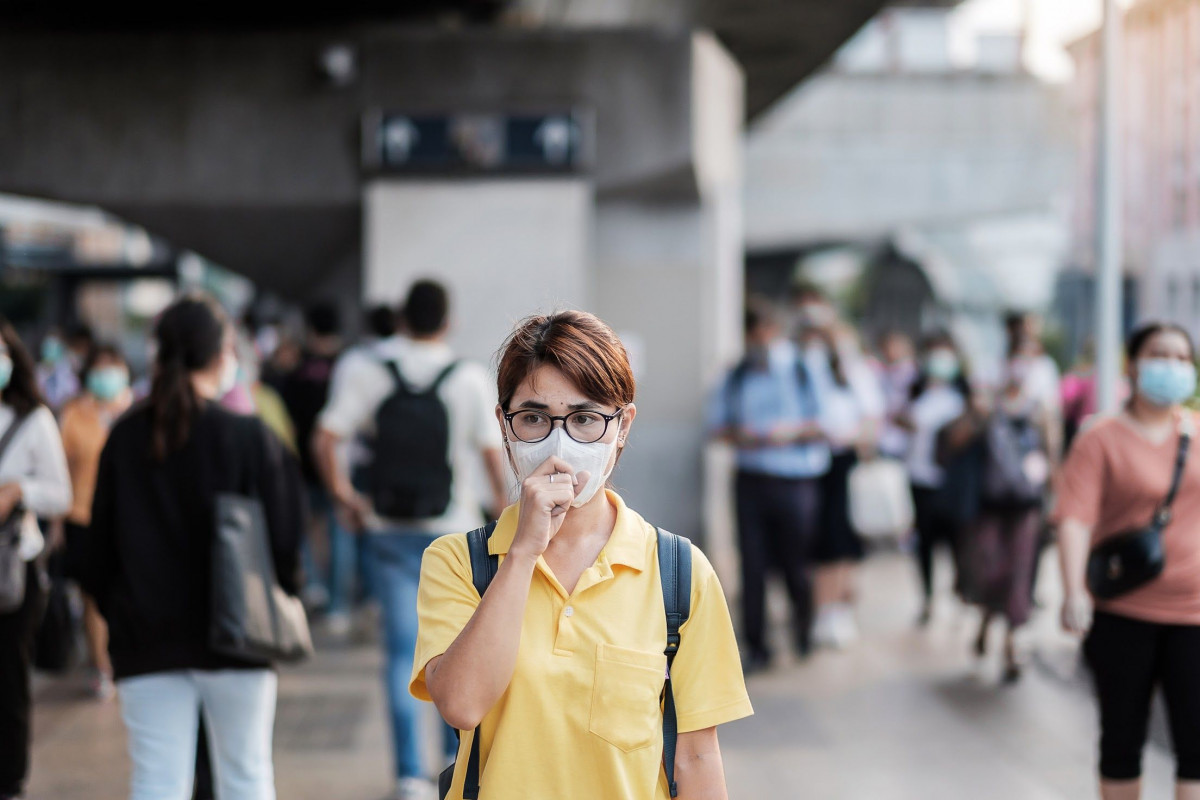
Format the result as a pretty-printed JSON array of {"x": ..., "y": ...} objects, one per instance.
[
  {"x": 402, "y": 385},
  {"x": 675, "y": 571},
  {"x": 483, "y": 570},
  {"x": 14, "y": 428},
  {"x": 445, "y": 373}
]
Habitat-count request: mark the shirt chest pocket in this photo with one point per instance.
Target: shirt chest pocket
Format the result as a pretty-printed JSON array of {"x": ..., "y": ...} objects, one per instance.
[{"x": 625, "y": 697}]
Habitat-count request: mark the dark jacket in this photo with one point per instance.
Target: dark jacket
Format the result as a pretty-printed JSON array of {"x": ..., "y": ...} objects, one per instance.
[{"x": 147, "y": 556}]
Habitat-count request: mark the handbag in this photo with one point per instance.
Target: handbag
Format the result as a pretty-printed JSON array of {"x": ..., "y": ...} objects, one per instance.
[
  {"x": 1132, "y": 559},
  {"x": 12, "y": 566},
  {"x": 880, "y": 500},
  {"x": 253, "y": 617}
]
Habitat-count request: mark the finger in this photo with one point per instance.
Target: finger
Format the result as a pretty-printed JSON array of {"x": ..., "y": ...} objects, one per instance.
[
  {"x": 581, "y": 481},
  {"x": 552, "y": 465}
]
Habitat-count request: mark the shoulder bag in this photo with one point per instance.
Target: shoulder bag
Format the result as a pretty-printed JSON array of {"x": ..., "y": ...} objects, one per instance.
[
  {"x": 253, "y": 617},
  {"x": 1132, "y": 559}
]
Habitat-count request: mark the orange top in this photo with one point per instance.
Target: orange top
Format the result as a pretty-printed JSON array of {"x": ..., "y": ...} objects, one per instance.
[
  {"x": 85, "y": 429},
  {"x": 1112, "y": 481}
]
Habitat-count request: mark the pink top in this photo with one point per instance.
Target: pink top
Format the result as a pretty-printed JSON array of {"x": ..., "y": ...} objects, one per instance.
[{"x": 1112, "y": 482}]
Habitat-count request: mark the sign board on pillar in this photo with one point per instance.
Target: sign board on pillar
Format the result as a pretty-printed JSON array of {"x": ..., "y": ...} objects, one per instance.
[{"x": 471, "y": 143}]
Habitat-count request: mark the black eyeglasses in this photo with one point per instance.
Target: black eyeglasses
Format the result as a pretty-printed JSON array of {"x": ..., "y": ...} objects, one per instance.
[{"x": 584, "y": 426}]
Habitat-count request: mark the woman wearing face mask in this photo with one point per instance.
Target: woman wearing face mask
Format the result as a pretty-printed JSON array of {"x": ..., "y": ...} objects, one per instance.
[
  {"x": 939, "y": 397},
  {"x": 572, "y": 607},
  {"x": 86, "y": 422},
  {"x": 146, "y": 562},
  {"x": 33, "y": 482},
  {"x": 1117, "y": 475}
]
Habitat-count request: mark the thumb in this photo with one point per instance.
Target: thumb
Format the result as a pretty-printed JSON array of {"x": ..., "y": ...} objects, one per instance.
[{"x": 581, "y": 479}]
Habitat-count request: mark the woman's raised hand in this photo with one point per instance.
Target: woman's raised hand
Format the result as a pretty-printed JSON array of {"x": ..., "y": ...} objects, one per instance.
[{"x": 546, "y": 496}]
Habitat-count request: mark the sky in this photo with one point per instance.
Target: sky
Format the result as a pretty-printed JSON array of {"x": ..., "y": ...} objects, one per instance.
[{"x": 1052, "y": 24}]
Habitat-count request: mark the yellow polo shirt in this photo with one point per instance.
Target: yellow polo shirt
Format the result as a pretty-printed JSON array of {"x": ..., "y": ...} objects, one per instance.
[{"x": 581, "y": 717}]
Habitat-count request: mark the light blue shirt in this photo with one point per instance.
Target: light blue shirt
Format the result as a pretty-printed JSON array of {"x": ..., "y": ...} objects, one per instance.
[{"x": 765, "y": 398}]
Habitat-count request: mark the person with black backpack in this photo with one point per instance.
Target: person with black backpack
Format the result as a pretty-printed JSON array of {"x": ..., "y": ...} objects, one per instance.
[
  {"x": 582, "y": 652},
  {"x": 429, "y": 418}
]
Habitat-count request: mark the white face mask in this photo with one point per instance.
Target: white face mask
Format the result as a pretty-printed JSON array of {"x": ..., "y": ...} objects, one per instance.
[
  {"x": 592, "y": 458},
  {"x": 229, "y": 376}
]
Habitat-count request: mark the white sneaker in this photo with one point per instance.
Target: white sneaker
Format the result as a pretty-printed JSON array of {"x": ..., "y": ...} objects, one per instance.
[
  {"x": 415, "y": 789},
  {"x": 338, "y": 624},
  {"x": 845, "y": 625},
  {"x": 824, "y": 631}
]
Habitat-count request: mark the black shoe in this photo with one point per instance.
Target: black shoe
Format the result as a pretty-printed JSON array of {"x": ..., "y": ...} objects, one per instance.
[{"x": 755, "y": 661}]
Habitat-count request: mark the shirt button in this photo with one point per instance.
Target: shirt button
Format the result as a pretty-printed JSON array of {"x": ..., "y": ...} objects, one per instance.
[{"x": 568, "y": 611}]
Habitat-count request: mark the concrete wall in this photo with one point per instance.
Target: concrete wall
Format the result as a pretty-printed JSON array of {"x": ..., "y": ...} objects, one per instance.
[
  {"x": 505, "y": 249},
  {"x": 663, "y": 268}
]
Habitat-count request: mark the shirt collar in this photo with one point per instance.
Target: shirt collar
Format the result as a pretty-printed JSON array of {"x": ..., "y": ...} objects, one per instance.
[{"x": 629, "y": 543}]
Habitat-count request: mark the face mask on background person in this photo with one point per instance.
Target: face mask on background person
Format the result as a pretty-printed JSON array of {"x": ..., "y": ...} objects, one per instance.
[
  {"x": 107, "y": 383},
  {"x": 592, "y": 458},
  {"x": 52, "y": 350},
  {"x": 941, "y": 365},
  {"x": 6, "y": 370},
  {"x": 1166, "y": 381}
]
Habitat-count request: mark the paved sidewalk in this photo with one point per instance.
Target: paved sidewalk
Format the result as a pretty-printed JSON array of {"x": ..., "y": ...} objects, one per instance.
[{"x": 905, "y": 715}]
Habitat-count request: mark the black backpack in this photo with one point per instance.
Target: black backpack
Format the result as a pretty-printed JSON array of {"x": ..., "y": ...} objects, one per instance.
[
  {"x": 1010, "y": 440},
  {"x": 411, "y": 476},
  {"x": 675, "y": 571}
]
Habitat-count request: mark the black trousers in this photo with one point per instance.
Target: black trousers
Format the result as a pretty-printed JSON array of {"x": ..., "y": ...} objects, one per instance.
[
  {"x": 1129, "y": 658},
  {"x": 17, "y": 630},
  {"x": 777, "y": 520},
  {"x": 933, "y": 526}
]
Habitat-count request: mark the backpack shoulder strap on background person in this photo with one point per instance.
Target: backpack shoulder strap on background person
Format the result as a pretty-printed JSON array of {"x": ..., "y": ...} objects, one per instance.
[{"x": 675, "y": 572}]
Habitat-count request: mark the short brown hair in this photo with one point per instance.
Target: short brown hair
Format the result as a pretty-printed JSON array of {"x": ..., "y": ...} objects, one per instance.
[{"x": 578, "y": 344}]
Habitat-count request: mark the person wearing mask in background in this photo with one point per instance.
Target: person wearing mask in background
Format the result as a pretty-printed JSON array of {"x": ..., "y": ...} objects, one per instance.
[
  {"x": 146, "y": 562},
  {"x": 1003, "y": 541},
  {"x": 1115, "y": 480},
  {"x": 852, "y": 410},
  {"x": 1039, "y": 373},
  {"x": 85, "y": 424},
  {"x": 33, "y": 481},
  {"x": 896, "y": 371},
  {"x": 939, "y": 397},
  {"x": 63, "y": 358},
  {"x": 417, "y": 370},
  {"x": 305, "y": 392},
  {"x": 572, "y": 607},
  {"x": 768, "y": 408}
]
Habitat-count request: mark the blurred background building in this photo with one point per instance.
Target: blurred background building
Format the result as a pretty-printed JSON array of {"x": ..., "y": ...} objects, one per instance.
[
  {"x": 1160, "y": 121},
  {"x": 923, "y": 189}
]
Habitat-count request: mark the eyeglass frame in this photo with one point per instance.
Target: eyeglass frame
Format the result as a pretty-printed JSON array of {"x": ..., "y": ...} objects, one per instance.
[{"x": 608, "y": 418}]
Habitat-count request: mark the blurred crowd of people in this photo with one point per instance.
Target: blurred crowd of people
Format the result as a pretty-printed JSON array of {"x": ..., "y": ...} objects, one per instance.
[{"x": 826, "y": 425}]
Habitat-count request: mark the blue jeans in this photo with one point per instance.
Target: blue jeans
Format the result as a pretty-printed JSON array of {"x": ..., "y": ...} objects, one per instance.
[
  {"x": 344, "y": 555},
  {"x": 161, "y": 713},
  {"x": 396, "y": 568}
]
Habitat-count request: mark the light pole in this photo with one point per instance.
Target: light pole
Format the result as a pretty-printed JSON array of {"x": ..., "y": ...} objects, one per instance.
[{"x": 1108, "y": 216}]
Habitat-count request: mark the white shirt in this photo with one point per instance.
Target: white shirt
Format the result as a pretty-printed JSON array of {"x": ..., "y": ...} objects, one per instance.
[
  {"x": 846, "y": 409},
  {"x": 361, "y": 384},
  {"x": 35, "y": 460},
  {"x": 936, "y": 408},
  {"x": 1041, "y": 384}
]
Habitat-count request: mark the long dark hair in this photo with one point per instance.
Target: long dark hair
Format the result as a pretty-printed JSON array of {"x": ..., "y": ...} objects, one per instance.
[
  {"x": 21, "y": 394},
  {"x": 190, "y": 336}
]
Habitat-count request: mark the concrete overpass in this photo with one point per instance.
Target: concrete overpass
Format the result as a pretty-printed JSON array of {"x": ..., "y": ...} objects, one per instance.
[{"x": 259, "y": 143}]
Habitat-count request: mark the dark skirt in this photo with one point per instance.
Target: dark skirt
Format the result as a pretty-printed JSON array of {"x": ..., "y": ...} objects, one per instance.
[
  {"x": 837, "y": 540},
  {"x": 1002, "y": 558}
]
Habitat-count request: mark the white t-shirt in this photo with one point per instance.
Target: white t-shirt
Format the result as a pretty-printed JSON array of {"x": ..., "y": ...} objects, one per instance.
[
  {"x": 936, "y": 408},
  {"x": 1041, "y": 384},
  {"x": 35, "y": 459},
  {"x": 362, "y": 383}
]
